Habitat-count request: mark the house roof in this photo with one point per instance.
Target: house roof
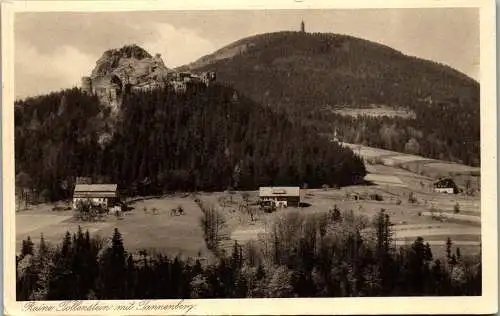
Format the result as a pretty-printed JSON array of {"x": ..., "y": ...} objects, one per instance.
[
  {"x": 279, "y": 191},
  {"x": 95, "y": 190}
]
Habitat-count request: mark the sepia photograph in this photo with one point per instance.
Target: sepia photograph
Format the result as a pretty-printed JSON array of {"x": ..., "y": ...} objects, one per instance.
[{"x": 194, "y": 154}]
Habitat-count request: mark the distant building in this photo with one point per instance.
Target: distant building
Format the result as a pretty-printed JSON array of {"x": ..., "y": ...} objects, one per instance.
[
  {"x": 179, "y": 86},
  {"x": 445, "y": 185},
  {"x": 99, "y": 194},
  {"x": 282, "y": 196},
  {"x": 182, "y": 80},
  {"x": 208, "y": 77},
  {"x": 83, "y": 180}
]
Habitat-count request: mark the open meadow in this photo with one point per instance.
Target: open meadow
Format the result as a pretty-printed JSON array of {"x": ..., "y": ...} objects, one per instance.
[
  {"x": 414, "y": 208},
  {"x": 375, "y": 110},
  {"x": 464, "y": 176},
  {"x": 142, "y": 229}
]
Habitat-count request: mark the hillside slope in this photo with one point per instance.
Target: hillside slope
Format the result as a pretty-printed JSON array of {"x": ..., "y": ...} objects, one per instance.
[{"x": 309, "y": 74}]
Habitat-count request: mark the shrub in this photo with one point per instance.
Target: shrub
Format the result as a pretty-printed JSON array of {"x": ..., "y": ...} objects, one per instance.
[
  {"x": 245, "y": 196},
  {"x": 456, "y": 208},
  {"x": 180, "y": 209},
  {"x": 376, "y": 197},
  {"x": 433, "y": 211},
  {"x": 83, "y": 210},
  {"x": 411, "y": 198},
  {"x": 334, "y": 214}
]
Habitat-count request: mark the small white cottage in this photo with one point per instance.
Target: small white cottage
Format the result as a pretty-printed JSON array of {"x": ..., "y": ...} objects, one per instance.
[
  {"x": 98, "y": 194},
  {"x": 281, "y": 196},
  {"x": 445, "y": 185}
]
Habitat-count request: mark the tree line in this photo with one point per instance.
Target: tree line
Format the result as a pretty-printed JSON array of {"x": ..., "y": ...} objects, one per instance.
[
  {"x": 433, "y": 133},
  {"x": 327, "y": 255},
  {"x": 206, "y": 139}
]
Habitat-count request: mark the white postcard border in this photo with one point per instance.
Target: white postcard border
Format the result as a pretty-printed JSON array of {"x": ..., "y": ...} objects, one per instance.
[{"x": 487, "y": 303}]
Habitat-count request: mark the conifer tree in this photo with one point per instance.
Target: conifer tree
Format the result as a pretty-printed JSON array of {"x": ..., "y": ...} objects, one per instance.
[
  {"x": 340, "y": 263},
  {"x": 27, "y": 247},
  {"x": 63, "y": 274},
  {"x": 112, "y": 269},
  {"x": 43, "y": 267},
  {"x": 131, "y": 280},
  {"x": 448, "y": 248},
  {"x": 383, "y": 251},
  {"x": 66, "y": 245}
]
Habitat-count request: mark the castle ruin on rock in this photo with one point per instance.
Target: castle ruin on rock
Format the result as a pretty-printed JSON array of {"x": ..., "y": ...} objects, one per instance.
[{"x": 130, "y": 69}]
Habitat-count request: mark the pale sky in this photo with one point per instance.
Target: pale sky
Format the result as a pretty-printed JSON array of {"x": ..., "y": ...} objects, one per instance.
[{"x": 54, "y": 50}]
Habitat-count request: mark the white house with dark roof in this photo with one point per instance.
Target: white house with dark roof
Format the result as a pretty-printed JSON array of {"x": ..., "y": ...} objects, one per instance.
[
  {"x": 99, "y": 194},
  {"x": 282, "y": 196},
  {"x": 445, "y": 185}
]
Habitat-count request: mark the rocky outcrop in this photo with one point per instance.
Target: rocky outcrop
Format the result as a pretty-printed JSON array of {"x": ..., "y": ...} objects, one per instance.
[
  {"x": 131, "y": 68},
  {"x": 119, "y": 70}
]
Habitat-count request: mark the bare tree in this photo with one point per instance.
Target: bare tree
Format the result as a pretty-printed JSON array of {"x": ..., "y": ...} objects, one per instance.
[{"x": 212, "y": 222}]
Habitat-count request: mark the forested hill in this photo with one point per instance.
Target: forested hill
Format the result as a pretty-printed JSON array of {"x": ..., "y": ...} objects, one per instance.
[
  {"x": 307, "y": 75},
  {"x": 313, "y": 69},
  {"x": 207, "y": 139}
]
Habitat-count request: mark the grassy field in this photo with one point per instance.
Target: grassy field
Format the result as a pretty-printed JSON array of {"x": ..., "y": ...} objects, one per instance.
[
  {"x": 420, "y": 165},
  {"x": 175, "y": 235},
  {"x": 374, "y": 111},
  {"x": 406, "y": 196},
  {"x": 395, "y": 186}
]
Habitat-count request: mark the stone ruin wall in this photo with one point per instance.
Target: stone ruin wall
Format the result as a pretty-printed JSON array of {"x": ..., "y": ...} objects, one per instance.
[
  {"x": 87, "y": 85},
  {"x": 105, "y": 88},
  {"x": 110, "y": 88}
]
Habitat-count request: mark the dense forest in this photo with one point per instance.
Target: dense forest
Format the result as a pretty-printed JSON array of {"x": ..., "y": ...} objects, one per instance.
[
  {"x": 302, "y": 73},
  {"x": 206, "y": 139},
  {"x": 302, "y": 256}
]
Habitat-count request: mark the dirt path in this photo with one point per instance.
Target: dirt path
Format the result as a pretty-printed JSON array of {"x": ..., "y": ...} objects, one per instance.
[
  {"x": 462, "y": 217},
  {"x": 246, "y": 234},
  {"x": 441, "y": 242}
]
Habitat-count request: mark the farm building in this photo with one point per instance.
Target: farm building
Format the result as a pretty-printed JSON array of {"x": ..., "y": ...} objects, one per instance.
[
  {"x": 445, "y": 185},
  {"x": 282, "y": 196},
  {"x": 100, "y": 194},
  {"x": 83, "y": 180}
]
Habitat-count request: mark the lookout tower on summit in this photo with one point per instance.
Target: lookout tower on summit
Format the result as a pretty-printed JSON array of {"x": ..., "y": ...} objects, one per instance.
[{"x": 302, "y": 27}]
